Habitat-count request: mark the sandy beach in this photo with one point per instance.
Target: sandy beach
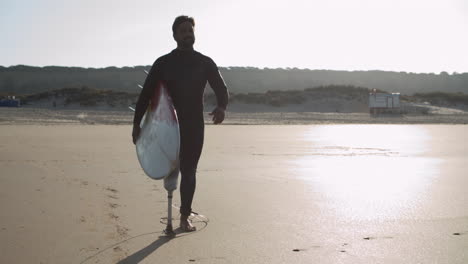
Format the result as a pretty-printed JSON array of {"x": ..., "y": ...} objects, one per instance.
[
  {"x": 267, "y": 116},
  {"x": 319, "y": 193}
]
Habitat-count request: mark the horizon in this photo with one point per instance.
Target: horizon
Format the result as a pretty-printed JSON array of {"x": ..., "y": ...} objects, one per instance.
[
  {"x": 252, "y": 67},
  {"x": 337, "y": 35}
]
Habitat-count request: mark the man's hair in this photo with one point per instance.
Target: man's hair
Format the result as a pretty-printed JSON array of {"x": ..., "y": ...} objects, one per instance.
[{"x": 181, "y": 19}]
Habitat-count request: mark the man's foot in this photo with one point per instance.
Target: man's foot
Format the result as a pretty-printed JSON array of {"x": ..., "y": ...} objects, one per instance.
[{"x": 186, "y": 224}]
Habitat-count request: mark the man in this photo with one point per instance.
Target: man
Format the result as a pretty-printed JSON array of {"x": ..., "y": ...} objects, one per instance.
[{"x": 185, "y": 73}]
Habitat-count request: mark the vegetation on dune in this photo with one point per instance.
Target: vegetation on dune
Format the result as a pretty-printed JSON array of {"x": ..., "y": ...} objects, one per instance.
[
  {"x": 347, "y": 92},
  {"x": 83, "y": 96},
  {"x": 441, "y": 98},
  {"x": 282, "y": 98},
  {"x": 273, "y": 98},
  {"x": 22, "y": 79},
  {"x": 89, "y": 97},
  {"x": 86, "y": 96}
]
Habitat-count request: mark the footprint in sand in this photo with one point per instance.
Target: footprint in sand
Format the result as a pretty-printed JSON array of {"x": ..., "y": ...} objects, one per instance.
[
  {"x": 113, "y": 216},
  {"x": 342, "y": 250},
  {"x": 113, "y": 205},
  {"x": 304, "y": 249},
  {"x": 372, "y": 238},
  {"x": 117, "y": 249},
  {"x": 213, "y": 258},
  {"x": 111, "y": 190},
  {"x": 113, "y": 193},
  {"x": 123, "y": 231},
  {"x": 89, "y": 249}
]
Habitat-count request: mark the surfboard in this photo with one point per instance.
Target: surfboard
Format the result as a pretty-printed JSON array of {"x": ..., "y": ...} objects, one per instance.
[{"x": 158, "y": 145}]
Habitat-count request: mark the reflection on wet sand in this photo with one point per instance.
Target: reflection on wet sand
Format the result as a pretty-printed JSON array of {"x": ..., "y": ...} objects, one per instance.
[{"x": 369, "y": 172}]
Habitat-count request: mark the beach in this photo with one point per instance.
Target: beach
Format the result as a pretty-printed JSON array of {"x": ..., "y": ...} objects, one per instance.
[
  {"x": 72, "y": 191},
  {"x": 257, "y": 116}
]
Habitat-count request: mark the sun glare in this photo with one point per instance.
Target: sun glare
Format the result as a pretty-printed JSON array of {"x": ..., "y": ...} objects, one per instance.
[{"x": 368, "y": 171}]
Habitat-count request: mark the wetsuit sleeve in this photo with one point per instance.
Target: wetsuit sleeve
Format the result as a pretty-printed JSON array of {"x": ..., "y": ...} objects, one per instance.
[
  {"x": 217, "y": 84},
  {"x": 146, "y": 92}
]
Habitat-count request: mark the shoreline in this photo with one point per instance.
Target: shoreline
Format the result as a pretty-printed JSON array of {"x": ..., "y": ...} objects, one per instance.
[{"x": 47, "y": 116}]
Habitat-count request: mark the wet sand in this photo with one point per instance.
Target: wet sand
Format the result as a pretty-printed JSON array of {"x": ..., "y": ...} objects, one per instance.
[
  {"x": 74, "y": 193},
  {"x": 51, "y": 116}
]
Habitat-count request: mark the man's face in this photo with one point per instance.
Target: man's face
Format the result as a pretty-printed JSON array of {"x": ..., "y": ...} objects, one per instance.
[{"x": 184, "y": 35}]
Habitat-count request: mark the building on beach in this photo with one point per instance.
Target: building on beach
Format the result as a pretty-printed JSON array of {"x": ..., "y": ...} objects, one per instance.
[{"x": 384, "y": 103}]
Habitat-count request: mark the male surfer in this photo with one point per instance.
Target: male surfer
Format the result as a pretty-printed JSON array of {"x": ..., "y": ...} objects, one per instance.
[{"x": 185, "y": 72}]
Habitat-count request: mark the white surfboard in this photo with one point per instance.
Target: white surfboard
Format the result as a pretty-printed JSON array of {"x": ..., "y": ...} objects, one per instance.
[{"x": 159, "y": 142}]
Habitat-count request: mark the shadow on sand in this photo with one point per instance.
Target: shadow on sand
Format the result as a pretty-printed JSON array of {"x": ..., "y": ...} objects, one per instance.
[
  {"x": 148, "y": 250},
  {"x": 145, "y": 252},
  {"x": 155, "y": 245},
  {"x": 141, "y": 254}
]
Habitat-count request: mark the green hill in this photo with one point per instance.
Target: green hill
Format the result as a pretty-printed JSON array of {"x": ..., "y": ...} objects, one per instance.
[{"x": 17, "y": 80}]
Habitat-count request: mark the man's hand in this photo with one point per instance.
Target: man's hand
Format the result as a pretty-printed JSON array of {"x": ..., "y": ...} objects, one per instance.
[
  {"x": 136, "y": 133},
  {"x": 218, "y": 115}
]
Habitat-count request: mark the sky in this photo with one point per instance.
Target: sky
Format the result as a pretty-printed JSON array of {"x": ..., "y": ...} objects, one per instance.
[{"x": 390, "y": 35}]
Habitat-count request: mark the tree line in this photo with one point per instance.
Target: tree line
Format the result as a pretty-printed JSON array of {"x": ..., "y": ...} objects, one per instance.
[{"x": 22, "y": 79}]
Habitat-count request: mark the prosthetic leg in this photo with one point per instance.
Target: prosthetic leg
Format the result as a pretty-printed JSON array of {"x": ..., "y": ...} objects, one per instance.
[{"x": 170, "y": 184}]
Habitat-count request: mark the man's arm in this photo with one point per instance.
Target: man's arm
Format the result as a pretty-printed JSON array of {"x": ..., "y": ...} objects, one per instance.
[
  {"x": 220, "y": 90},
  {"x": 144, "y": 99}
]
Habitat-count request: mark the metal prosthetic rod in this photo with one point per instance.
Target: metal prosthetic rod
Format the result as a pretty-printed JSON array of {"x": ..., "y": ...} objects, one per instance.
[
  {"x": 169, "y": 229},
  {"x": 170, "y": 184}
]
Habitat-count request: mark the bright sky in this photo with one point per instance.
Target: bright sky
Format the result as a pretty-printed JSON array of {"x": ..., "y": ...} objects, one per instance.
[{"x": 394, "y": 35}]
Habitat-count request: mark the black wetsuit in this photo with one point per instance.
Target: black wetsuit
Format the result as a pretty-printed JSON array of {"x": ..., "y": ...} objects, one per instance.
[{"x": 186, "y": 74}]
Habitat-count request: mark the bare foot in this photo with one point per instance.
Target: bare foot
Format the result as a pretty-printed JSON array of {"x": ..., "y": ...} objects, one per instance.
[{"x": 186, "y": 224}]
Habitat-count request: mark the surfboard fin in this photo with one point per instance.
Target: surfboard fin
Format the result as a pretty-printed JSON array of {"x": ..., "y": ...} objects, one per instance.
[{"x": 141, "y": 87}]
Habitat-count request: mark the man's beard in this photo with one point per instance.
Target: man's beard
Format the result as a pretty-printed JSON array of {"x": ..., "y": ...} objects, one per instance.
[{"x": 187, "y": 42}]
